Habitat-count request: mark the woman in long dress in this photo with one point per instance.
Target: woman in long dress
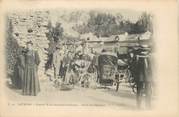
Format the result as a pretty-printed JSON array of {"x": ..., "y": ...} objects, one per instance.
[
  {"x": 31, "y": 84},
  {"x": 19, "y": 69}
]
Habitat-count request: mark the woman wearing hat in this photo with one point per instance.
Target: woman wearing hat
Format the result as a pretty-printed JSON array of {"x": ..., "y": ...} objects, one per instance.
[{"x": 30, "y": 84}]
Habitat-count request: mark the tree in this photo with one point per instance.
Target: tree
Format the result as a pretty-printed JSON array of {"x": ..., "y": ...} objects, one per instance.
[
  {"x": 11, "y": 47},
  {"x": 105, "y": 25},
  {"x": 54, "y": 34},
  {"x": 144, "y": 23},
  {"x": 57, "y": 32},
  {"x": 126, "y": 26},
  {"x": 102, "y": 24}
]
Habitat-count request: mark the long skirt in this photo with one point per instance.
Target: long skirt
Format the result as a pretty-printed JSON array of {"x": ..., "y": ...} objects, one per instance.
[
  {"x": 31, "y": 84},
  {"x": 18, "y": 76}
]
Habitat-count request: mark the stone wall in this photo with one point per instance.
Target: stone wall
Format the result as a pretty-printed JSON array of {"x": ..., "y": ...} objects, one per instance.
[{"x": 31, "y": 25}]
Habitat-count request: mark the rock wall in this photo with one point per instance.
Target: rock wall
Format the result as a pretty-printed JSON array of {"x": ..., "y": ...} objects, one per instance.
[{"x": 32, "y": 25}]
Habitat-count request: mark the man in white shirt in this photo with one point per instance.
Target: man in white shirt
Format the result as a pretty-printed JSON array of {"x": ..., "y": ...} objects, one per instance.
[{"x": 57, "y": 61}]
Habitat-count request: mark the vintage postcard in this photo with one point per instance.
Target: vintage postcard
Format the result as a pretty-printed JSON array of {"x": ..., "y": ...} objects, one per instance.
[{"x": 89, "y": 58}]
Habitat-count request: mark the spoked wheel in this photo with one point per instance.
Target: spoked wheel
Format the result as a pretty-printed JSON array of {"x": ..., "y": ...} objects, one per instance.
[
  {"x": 132, "y": 83},
  {"x": 84, "y": 80},
  {"x": 134, "y": 88}
]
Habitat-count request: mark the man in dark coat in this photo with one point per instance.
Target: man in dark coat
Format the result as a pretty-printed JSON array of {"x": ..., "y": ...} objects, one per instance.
[
  {"x": 144, "y": 76},
  {"x": 133, "y": 68}
]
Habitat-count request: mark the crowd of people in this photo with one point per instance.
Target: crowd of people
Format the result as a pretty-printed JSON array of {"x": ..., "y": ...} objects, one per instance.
[
  {"x": 69, "y": 66},
  {"x": 139, "y": 61}
]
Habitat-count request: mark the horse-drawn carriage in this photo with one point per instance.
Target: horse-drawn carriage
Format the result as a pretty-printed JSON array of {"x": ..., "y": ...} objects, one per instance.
[
  {"x": 112, "y": 70},
  {"x": 108, "y": 71},
  {"x": 107, "y": 66}
]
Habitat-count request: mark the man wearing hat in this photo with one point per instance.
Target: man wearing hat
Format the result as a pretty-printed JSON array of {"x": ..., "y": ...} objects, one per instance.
[
  {"x": 133, "y": 65},
  {"x": 143, "y": 77}
]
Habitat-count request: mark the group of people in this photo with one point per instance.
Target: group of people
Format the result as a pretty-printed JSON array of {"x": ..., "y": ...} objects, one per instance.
[
  {"x": 65, "y": 64},
  {"x": 26, "y": 68},
  {"x": 25, "y": 72}
]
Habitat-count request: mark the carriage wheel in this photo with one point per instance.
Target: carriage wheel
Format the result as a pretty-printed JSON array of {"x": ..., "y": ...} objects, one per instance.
[
  {"x": 133, "y": 85},
  {"x": 134, "y": 88},
  {"x": 131, "y": 81}
]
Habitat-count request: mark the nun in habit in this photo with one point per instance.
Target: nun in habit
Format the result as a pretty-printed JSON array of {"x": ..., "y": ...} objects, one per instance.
[{"x": 30, "y": 83}]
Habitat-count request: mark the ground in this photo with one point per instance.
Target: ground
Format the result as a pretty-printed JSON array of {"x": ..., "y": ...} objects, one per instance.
[{"x": 78, "y": 96}]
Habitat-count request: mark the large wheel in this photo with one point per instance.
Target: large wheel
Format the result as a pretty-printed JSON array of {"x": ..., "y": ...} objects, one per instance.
[
  {"x": 134, "y": 88},
  {"x": 132, "y": 82}
]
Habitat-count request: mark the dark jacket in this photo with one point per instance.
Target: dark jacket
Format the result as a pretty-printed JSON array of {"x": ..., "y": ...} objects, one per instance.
[
  {"x": 144, "y": 72},
  {"x": 133, "y": 67}
]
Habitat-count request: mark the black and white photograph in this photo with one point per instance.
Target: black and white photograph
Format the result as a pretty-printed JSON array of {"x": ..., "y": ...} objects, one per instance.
[
  {"x": 100, "y": 59},
  {"x": 82, "y": 57}
]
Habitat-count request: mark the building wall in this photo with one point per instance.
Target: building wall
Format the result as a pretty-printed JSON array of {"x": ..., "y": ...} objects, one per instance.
[{"x": 31, "y": 25}]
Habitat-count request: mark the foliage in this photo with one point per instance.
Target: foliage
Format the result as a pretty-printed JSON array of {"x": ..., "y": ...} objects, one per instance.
[
  {"x": 54, "y": 35},
  {"x": 11, "y": 47},
  {"x": 105, "y": 24},
  {"x": 57, "y": 32},
  {"x": 144, "y": 23},
  {"x": 102, "y": 24}
]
